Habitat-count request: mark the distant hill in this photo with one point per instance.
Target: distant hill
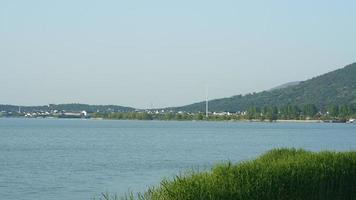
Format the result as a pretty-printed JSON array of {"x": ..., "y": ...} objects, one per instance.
[
  {"x": 285, "y": 85},
  {"x": 67, "y": 107},
  {"x": 334, "y": 88}
]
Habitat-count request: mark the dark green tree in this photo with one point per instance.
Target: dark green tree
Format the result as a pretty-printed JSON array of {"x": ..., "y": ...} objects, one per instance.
[{"x": 310, "y": 110}]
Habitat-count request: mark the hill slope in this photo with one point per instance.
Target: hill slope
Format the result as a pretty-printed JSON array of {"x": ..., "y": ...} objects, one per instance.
[
  {"x": 285, "y": 85},
  {"x": 334, "y": 88}
]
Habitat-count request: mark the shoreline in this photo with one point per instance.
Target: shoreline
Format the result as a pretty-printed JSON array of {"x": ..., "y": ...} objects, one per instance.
[
  {"x": 300, "y": 121},
  {"x": 242, "y": 120}
]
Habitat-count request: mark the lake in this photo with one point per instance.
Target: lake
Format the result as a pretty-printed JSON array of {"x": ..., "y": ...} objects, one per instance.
[{"x": 52, "y": 159}]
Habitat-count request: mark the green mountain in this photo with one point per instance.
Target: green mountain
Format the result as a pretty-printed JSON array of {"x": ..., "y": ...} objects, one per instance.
[
  {"x": 285, "y": 85},
  {"x": 334, "y": 88}
]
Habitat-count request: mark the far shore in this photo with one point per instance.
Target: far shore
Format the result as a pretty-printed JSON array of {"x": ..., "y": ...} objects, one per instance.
[
  {"x": 242, "y": 120},
  {"x": 212, "y": 120}
]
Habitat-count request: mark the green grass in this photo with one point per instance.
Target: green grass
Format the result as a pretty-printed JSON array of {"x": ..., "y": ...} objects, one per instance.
[{"x": 280, "y": 174}]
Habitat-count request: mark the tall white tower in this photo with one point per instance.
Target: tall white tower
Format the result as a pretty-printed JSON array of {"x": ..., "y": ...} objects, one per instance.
[{"x": 207, "y": 103}]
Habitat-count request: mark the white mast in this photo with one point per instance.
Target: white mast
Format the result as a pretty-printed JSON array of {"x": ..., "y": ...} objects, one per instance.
[{"x": 207, "y": 103}]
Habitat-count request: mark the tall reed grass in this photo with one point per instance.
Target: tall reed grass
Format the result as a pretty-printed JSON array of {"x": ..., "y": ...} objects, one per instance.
[{"x": 280, "y": 174}]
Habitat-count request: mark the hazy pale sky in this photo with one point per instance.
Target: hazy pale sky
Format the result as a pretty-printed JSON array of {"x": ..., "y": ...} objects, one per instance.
[{"x": 164, "y": 53}]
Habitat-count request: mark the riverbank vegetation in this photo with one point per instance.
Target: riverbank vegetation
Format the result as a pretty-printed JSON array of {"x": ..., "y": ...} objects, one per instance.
[
  {"x": 268, "y": 113},
  {"x": 339, "y": 113},
  {"x": 279, "y": 174}
]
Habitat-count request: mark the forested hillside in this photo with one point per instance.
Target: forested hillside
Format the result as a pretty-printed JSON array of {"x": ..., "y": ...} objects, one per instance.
[{"x": 334, "y": 88}]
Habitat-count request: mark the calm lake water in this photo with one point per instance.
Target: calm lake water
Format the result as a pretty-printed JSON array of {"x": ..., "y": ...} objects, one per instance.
[{"x": 47, "y": 159}]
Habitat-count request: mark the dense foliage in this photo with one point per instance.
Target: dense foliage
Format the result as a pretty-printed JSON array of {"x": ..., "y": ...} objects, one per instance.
[
  {"x": 309, "y": 111},
  {"x": 334, "y": 88},
  {"x": 282, "y": 174},
  {"x": 267, "y": 113}
]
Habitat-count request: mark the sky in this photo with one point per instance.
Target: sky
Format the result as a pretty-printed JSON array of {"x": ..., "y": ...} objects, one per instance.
[{"x": 158, "y": 53}]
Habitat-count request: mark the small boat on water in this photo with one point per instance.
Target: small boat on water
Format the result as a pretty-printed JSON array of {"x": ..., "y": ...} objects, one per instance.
[{"x": 351, "y": 121}]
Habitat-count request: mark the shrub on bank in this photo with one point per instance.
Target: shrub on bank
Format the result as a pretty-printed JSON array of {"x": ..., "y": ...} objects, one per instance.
[{"x": 280, "y": 174}]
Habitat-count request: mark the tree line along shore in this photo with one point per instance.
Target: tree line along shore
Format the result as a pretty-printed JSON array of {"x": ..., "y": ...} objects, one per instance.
[
  {"x": 290, "y": 113},
  {"x": 308, "y": 112}
]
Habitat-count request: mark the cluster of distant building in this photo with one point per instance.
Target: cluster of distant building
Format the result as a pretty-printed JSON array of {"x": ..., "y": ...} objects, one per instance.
[
  {"x": 239, "y": 113},
  {"x": 85, "y": 114},
  {"x": 47, "y": 114}
]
